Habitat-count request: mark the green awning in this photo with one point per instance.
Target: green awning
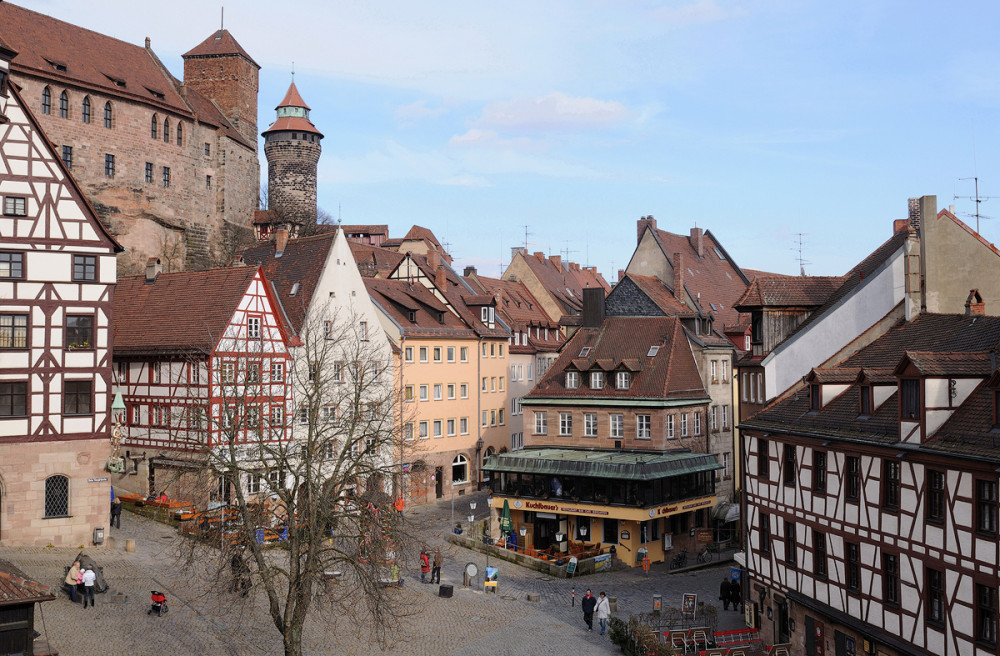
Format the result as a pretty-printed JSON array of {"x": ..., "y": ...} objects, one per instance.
[{"x": 594, "y": 463}]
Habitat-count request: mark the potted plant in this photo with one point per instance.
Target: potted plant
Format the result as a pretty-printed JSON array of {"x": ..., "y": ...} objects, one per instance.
[{"x": 458, "y": 528}]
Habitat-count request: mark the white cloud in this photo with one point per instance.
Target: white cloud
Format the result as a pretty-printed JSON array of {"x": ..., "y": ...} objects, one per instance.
[
  {"x": 488, "y": 138},
  {"x": 418, "y": 110},
  {"x": 555, "y": 111}
]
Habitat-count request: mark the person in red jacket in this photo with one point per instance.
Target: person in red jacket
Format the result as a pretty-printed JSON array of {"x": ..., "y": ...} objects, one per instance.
[{"x": 425, "y": 566}]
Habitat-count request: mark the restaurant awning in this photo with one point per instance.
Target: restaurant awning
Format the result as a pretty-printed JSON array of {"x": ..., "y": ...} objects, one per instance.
[
  {"x": 726, "y": 512},
  {"x": 594, "y": 463}
]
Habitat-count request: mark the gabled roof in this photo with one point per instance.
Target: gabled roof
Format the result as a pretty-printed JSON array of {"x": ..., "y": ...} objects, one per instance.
[
  {"x": 929, "y": 363},
  {"x": 96, "y": 61},
  {"x": 17, "y": 588},
  {"x": 371, "y": 229},
  {"x": 373, "y": 260},
  {"x": 931, "y": 333},
  {"x": 713, "y": 276},
  {"x": 660, "y": 294},
  {"x": 670, "y": 374},
  {"x": 563, "y": 281},
  {"x": 219, "y": 44},
  {"x": 420, "y": 233},
  {"x": 181, "y": 312},
  {"x": 298, "y": 270},
  {"x": 788, "y": 291},
  {"x": 521, "y": 311},
  {"x": 431, "y": 318}
]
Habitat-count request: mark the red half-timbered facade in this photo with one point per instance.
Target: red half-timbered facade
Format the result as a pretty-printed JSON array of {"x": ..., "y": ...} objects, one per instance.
[
  {"x": 871, "y": 498},
  {"x": 199, "y": 356},
  {"x": 57, "y": 276}
]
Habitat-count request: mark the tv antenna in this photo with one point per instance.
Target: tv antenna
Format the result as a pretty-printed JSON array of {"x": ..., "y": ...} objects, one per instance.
[
  {"x": 526, "y": 233},
  {"x": 798, "y": 249},
  {"x": 977, "y": 199},
  {"x": 566, "y": 252}
]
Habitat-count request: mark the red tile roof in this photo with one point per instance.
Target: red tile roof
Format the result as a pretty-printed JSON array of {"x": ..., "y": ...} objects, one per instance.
[
  {"x": 373, "y": 260},
  {"x": 967, "y": 364},
  {"x": 181, "y": 312},
  {"x": 521, "y": 312},
  {"x": 661, "y": 294},
  {"x": 431, "y": 317},
  {"x": 373, "y": 229},
  {"x": 99, "y": 62},
  {"x": 17, "y": 588},
  {"x": 419, "y": 233},
  {"x": 219, "y": 44},
  {"x": 292, "y": 98},
  {"x": 788, "y": 291},
  {"x": 301, "y": 263},
  {"x": 564, "y": 282},
  {"x": 625, "y": 342}
]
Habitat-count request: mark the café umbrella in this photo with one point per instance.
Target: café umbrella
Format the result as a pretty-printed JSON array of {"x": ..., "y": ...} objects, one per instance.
[{"x": 506, "y": 526}]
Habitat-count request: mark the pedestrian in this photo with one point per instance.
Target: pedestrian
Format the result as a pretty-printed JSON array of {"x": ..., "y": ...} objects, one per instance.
[
  {"x": 588, "y": 604},
  {"x": 425, "y": 566},
  {"x": 603, "y": 612},
  {"x": 400, "y": 505},
  {"x": 241, "y": 574},
  {"x": 735, "y": 595},
  {"x": 72, "y": 577},
  {"x": 79, "y": 583},
  {"x": 88, "y": 586},
  {"x": 725, "y": 593},
  {"x": 436, "y": 570},
  {"x": 116, "y": 512}
]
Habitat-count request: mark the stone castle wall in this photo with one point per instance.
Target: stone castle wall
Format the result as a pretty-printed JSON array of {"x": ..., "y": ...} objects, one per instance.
[
  {"x": 232, "y": 82},
  {"x": 291, "y": 176}
]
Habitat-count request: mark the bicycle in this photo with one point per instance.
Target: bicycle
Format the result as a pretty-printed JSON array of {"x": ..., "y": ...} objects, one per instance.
[
  {"x": 706, "y": 555},
  {"x": 680, "y": 560}
]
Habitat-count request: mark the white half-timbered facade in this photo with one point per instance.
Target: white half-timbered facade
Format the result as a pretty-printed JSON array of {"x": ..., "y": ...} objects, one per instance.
[
  {"x": 871, "y": 498},
  {"x": 57, "y": 275},
  {"x": 202, "y": 359}
]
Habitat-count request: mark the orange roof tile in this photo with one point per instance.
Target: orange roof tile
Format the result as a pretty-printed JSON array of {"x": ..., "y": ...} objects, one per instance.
[{"x": 292, "y": 98}]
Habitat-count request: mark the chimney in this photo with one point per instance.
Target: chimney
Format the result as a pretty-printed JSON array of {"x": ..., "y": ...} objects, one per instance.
[
  {"x": 698, "y": 241},
  {"x": 540, "y": 256},
  {"x": 593, "y": 307},
  {"x": 441, "y": 278},
  {"x": 679, "y": 277},
  {"x": 238, "y": 261},
  {"x": 913, "y": 212},
  {"x": 556, "y": 261},
  {"x": 280, "y": 240},
  {"x": 147, "y": 43},
  {"x": 621, "y": 274},
  {"x": 899, "y": 224},
  {"x": 641, "y": 224},
  {"x": 433, "y": 260},
  {"x": 974, "y": 305},
  {"x": 469, "y": 271},
  {"x": 518, "y": 250},
  {"x": 153, "y": 268}
]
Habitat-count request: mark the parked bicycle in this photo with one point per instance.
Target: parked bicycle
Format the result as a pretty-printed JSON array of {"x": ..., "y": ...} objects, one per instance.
[
  {"x": 680, "y": 560},
  {"x": 706, "y": 555}
]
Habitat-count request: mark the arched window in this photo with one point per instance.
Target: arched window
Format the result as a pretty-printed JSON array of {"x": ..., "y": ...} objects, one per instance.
[
  {"x": 63, "y": 105},
  {"x": 107, "y": 114},
  {"x": 57, "y": 496},
  {"x": 154, "y": 124},
  {"x": 460, "y": 469},
  {"x": 46, "y": 101},
  {"x": 180, "y": 134},
  {"x": 166, "y": 131},
  {"x": 85, "y": 112}
]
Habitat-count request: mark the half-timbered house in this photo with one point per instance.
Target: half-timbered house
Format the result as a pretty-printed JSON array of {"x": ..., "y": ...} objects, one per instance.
[
  {"x": 57, "y": 275},
  {"x": 871, "y": 497},
  {"x": 199, "y": 356}
]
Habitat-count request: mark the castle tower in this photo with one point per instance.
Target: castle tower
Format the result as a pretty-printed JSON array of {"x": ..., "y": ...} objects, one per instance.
[
  {"x": 222, "y": 70},
  {"x": 292, "y": 147}
]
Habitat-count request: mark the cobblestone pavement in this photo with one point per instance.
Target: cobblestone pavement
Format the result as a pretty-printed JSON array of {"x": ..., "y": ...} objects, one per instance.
[{"x": 469, "y": 624}]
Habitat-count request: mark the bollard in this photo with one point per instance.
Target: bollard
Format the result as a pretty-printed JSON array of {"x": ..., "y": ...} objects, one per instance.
[
  {"x": 130, "y": 546},
  {"x": 573, "y": 597},
  {"x": 613, "y": 604}
]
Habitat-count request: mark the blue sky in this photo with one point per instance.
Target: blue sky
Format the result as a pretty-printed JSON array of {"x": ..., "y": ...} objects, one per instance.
[{"x": 755, "y": 120}]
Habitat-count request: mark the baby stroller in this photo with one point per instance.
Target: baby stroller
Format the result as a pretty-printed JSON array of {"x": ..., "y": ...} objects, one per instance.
[{"x": 159, "y": 603}]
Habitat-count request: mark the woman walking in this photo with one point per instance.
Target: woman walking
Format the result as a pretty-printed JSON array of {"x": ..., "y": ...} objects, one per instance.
[{"x": 603, "y": 612}]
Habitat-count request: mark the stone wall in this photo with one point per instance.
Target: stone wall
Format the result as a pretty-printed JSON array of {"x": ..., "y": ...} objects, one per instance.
[
  {"x": 291, "y": 176},
  {"x": 232, "y": 82}
]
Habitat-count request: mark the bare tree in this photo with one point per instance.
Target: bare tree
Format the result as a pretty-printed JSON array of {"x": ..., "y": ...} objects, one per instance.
[{"x": 305, "y": 488}]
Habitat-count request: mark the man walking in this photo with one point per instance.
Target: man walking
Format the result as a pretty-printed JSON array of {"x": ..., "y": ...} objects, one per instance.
[
  {"x": 436, "y": 570},
  {"x": 603, "y": 612},
  {"x": 588, "y": 604},
  {"x": 725, "y": 593}
]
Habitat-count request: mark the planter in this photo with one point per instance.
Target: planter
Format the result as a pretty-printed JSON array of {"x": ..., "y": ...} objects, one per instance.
[{"x": 458, "y": 531}]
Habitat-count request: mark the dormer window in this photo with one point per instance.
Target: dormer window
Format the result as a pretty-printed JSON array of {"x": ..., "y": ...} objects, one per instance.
[
  {"x": 623, "y": 380},
  {"x": 909, "y": 399},
  {"x": 572, "y": 379},
  {"x": 866, "y": 400},
  {"x": 412, "y": 316},
  {"x": 815, "y": 398},
  {"x": 596, "y": 380}
]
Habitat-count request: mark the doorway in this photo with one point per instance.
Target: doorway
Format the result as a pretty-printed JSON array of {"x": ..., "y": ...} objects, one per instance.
[
  {"x": 546, "y": 527},
  {"x": 439, "y": 482},
  {"x": 784, "y": 633}
]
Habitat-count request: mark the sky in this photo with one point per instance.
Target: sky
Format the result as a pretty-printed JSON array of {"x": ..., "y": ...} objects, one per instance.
[{"x": 558, "y": 124}]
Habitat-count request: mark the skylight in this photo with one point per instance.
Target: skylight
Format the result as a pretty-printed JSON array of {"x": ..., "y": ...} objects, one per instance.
[
  {"x": 719, "y": 253},
  {"x": 295, "y": 289},
  {"x": 653, "y": 350},
  {"x": 585, "y": 351}
]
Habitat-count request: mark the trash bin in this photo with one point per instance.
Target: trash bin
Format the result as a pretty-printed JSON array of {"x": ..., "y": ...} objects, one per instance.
[
  {"x": 640, "y": 555},
  {"x": 657, "y": 603},
  {"x": 445, "y": 590}
]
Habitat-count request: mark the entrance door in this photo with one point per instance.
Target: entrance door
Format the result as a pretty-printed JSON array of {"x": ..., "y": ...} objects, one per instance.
[
  {"x": 439, "y": 482},
  {"x": 545, "y": 531},
  {"x": 784, "y": 634}
]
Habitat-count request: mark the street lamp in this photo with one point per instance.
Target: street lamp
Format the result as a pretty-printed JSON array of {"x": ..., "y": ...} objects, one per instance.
[{"x": 523, "y": 531}]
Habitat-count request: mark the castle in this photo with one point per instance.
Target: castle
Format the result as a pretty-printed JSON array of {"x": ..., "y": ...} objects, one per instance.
[{"x": 170, "y": 166}]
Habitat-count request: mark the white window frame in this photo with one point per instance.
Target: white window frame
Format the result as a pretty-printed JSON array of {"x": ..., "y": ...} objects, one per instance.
[
  {"x": 423, "y": 354},
  {"x": 565, "y": 423},
  {"x": 616, "y": 422},
  {"x": 451, "y": 391},
  {"x": 596, "y": 380},
  {"x": 464, "y": 353},
  {"x": 438, "y": 428},
  {"x": 541, "y": 423},
  {"x": 572, "y": 380},
  {"x": 670, "y": 427},
  {"x": 438, "y": 391},
  {"x": 697, "y": 423},
  {"x": 277, "y": 372},
  {"x": 423, "y": 430},
  {"x": 463, "y": 390},
  {"x": 437, "y": 354},
  {"x": 643, "y": 427},
  {"x": 254, "y": 328},
  {"x": 423, "y": 393},
  {"x": 408, "y": 353},
  {"x": 451, "y": 427},
  {"x": 623, "y": 380},
  {"x": 725, "y": 417},
  {"x": 714, "y": 419},
  {"x": 451, "y": 353},
  {"x": 684, "y": 424},
  {"x": 463, "y": 426},
  {"x": 590, "y": 424}
]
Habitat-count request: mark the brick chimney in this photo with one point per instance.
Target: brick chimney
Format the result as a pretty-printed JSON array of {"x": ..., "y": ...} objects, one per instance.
[
  {"x": 469, "y": 271},
  {"x": 913, "y": 212},
  {"x": 556, "y": 261},
  {"x": 974, "y": 305},
  {"x": 698, "y": 241},
  {"x": 280, "y": 240},
  {"x": 621, "y": 274},
  {"x": 153, "y": 268},
  {"x": 899, "y": 224},
  {"x": 441, "y": 278},
  {"x": 540, "y": 256},
  {"x": 641, "y": 224},
  {"x": 593, "y": 307},
  {"x": 679, "y": 277},
  {"x": 433, "y": 260}
]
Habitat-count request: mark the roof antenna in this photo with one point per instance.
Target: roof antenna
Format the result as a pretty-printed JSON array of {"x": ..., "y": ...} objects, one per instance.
[
  {"x": 293, "y": 72},
  {"x": 802, "y": 262},
  {"x": 222, "y": 18}
]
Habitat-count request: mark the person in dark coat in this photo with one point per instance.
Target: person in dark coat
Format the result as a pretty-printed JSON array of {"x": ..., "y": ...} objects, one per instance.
[
  {"x": 725, "y": 593},
  {"x": 116, "y": 512},
  {"x": 588, "y": 604},
  {"x": 735, "y": 595}
]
